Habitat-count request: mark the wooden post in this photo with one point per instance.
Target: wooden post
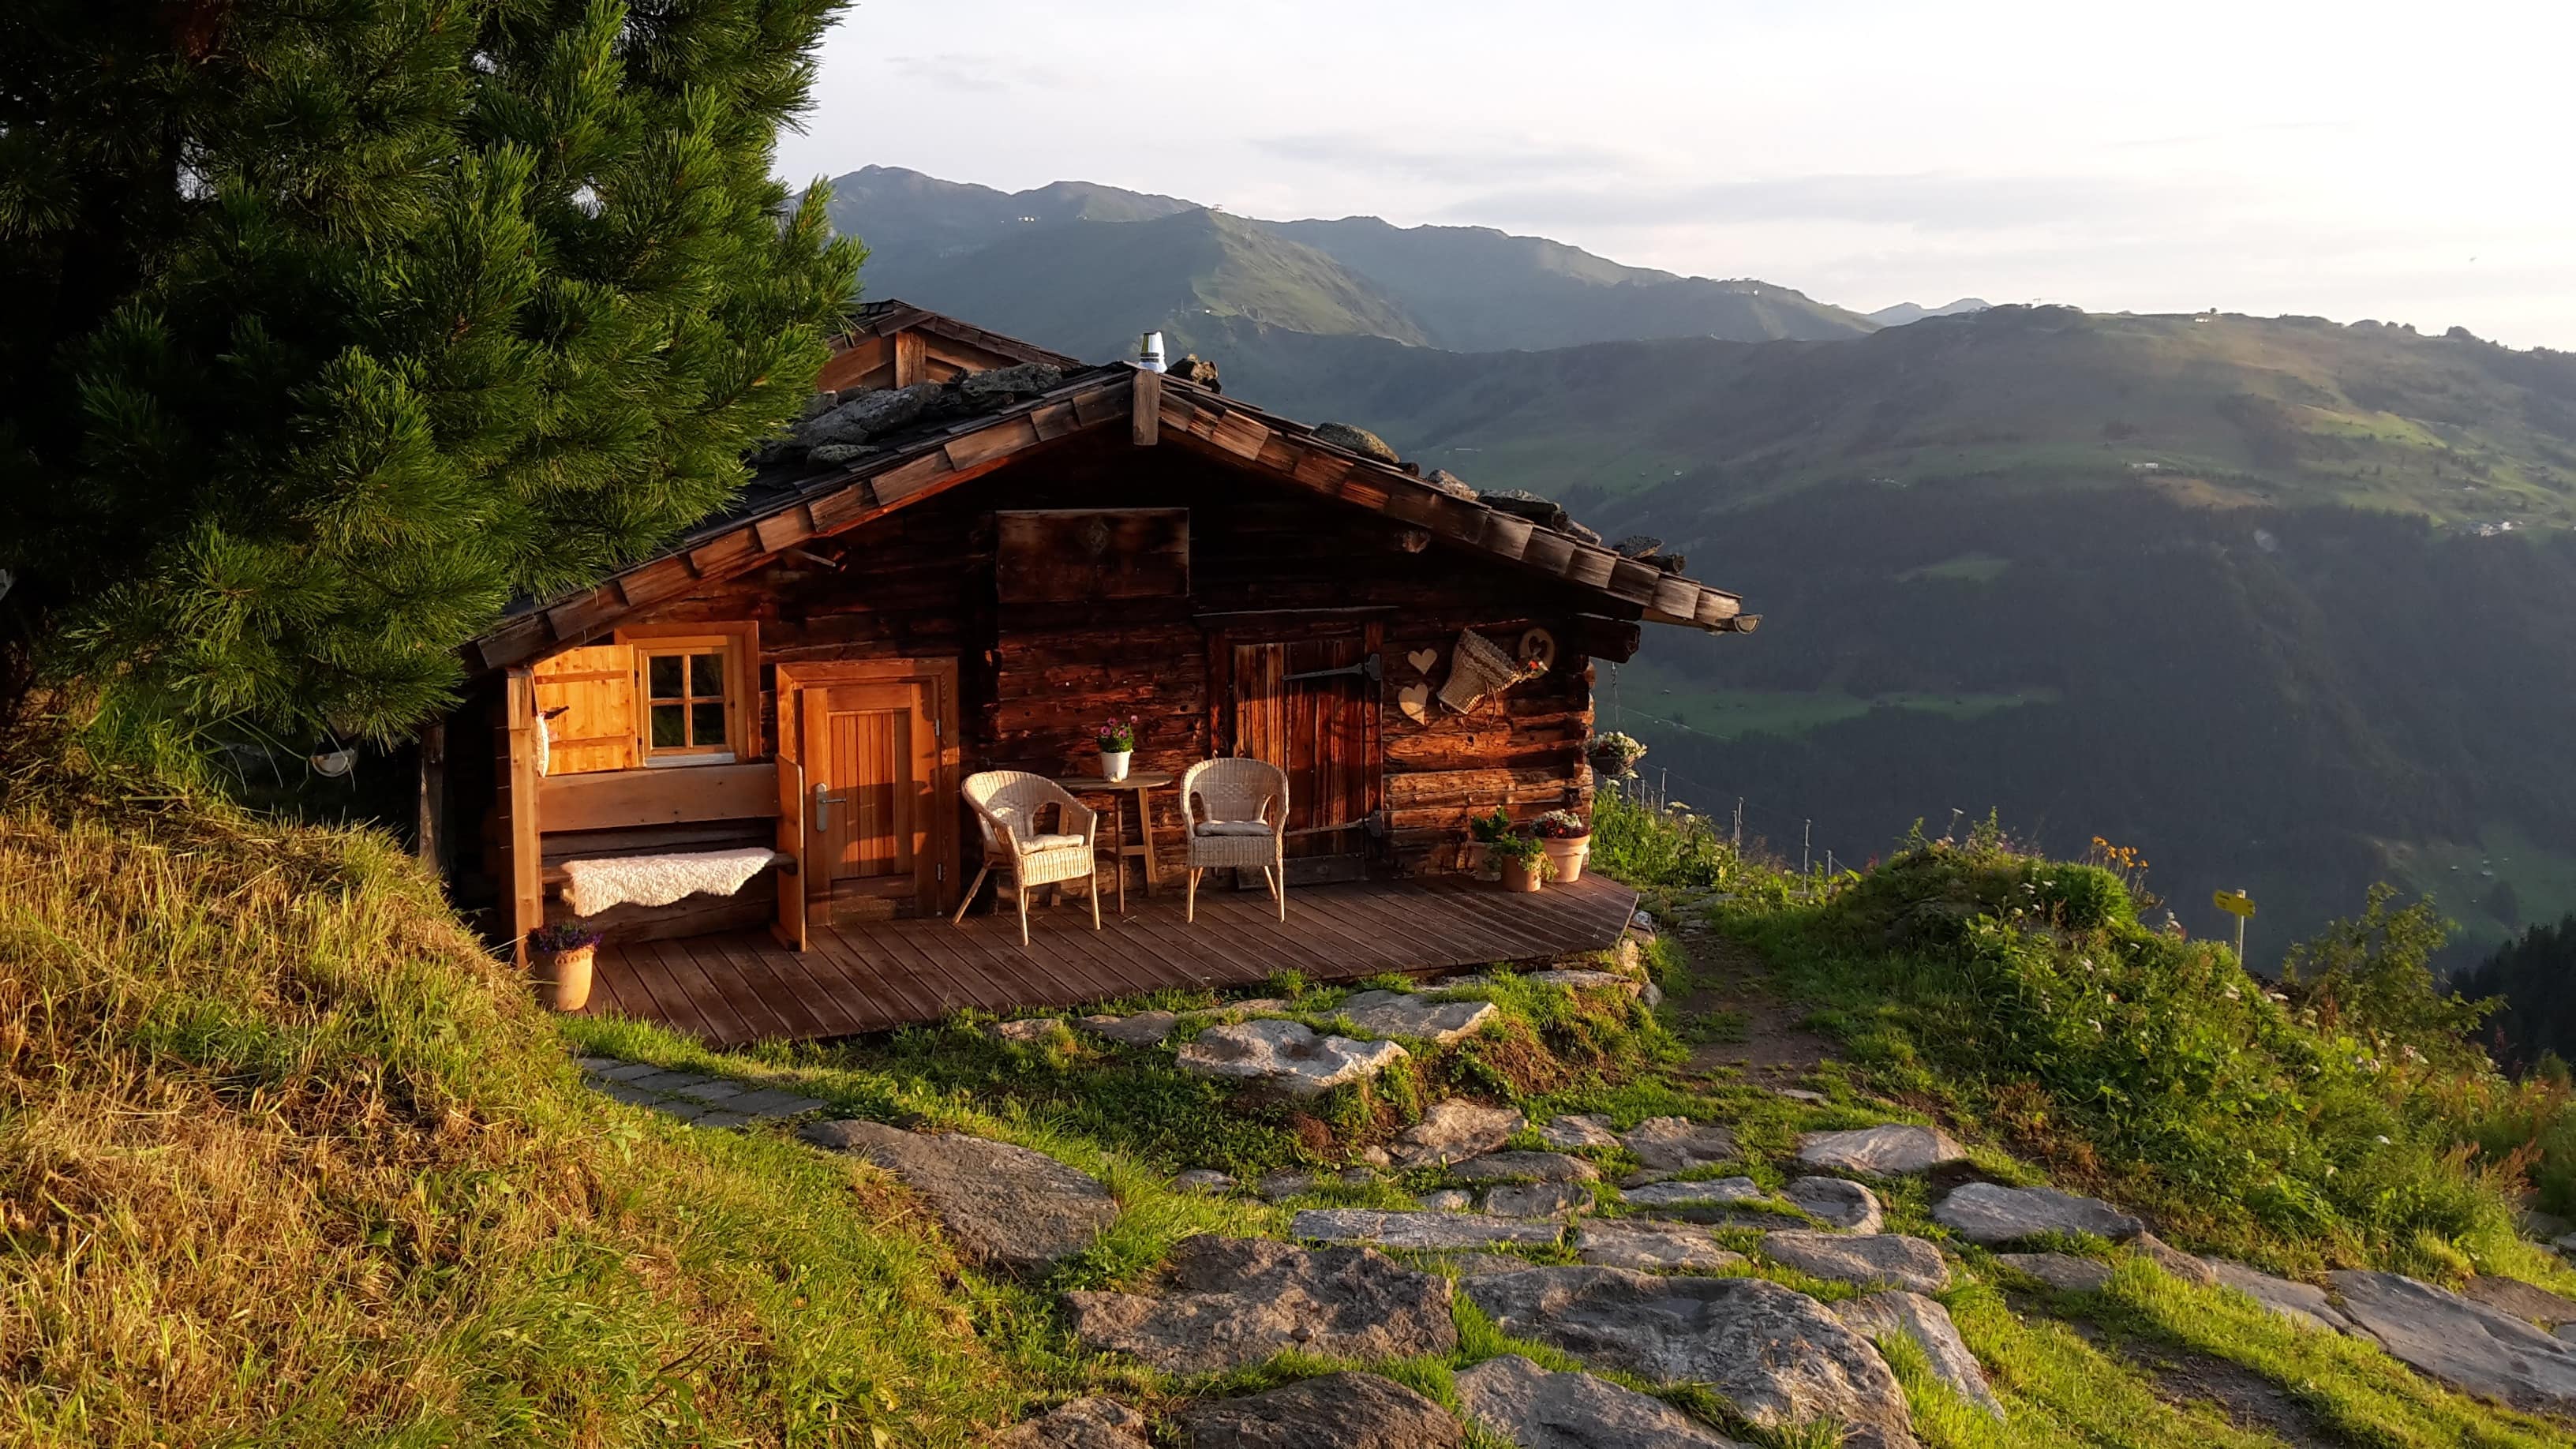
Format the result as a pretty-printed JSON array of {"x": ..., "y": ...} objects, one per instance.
[
  {"x": 527, "y": 863},
  {"x": 908, "y": 358},
  {"x": 431, "y": 842},
  {"x": 1145, "y": 415}
]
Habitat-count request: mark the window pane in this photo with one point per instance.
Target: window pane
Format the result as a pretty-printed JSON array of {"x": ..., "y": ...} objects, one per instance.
[
  {"x": 669, "y": 726},
  {"x": 706, "y": 675},
  {"x": 662, "y": 676},
  {"x": 707, "y": 723}
]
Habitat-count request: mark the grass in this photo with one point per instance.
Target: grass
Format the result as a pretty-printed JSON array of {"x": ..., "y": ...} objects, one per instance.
[{"x": 286, "y": 1158}]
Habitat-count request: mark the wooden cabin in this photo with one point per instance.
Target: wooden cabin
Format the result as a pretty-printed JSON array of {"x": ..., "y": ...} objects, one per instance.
[{"x": 1044, "y": 546}]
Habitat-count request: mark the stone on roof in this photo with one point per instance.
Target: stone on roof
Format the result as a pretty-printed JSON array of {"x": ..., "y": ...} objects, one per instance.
[{"x": 1358, "y": 440}]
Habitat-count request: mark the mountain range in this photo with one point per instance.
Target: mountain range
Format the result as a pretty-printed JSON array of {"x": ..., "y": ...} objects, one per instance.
[
  {"x": 2282, "y": 601},
  {"x": 1087, "y": 268}
]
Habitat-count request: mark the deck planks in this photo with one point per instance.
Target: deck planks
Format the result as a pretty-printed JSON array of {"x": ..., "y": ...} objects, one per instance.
[{"x": 737, "y": 987}]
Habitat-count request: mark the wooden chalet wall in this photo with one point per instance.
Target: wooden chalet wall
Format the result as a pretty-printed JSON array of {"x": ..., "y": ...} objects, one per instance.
[{"x": 1266, "y": 561}]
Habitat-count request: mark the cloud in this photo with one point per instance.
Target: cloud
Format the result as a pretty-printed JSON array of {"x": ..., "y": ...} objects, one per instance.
[
  {"x": 1927, "y": 201},
  {"x": 1484, "y": 162},
  {"x": 983, "y": 74}
]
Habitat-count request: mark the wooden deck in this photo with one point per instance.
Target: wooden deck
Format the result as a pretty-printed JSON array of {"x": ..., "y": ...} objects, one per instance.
[{"x": 743, "y": 986}]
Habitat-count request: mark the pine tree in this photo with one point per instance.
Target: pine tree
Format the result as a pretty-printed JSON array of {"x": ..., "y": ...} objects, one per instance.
[{"x": 331, "y": 325}]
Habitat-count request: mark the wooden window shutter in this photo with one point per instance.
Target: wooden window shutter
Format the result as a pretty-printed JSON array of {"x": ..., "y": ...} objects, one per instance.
[{"x": 595, "y": 689}]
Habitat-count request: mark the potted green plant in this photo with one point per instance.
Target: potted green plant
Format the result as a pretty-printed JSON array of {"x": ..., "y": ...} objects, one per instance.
[
  {"x": 1117, "y": 747},
  {"x": 1567, "y": 839},
  {"x": 1524, "y": 862},
  {"x": 565, "y": 950},
  {"x": 1483, "y": 831}
]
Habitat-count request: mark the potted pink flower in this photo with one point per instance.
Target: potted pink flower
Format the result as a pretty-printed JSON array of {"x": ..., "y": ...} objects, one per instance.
[
  {"x": 1567, "y": 839},
  {"x": 1117, "y": 747},
  {"x": 565, "y": 950}
]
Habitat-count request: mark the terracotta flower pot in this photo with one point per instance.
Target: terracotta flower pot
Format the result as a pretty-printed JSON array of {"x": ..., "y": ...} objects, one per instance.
[
  {"x": 1569, "y": 855},
  {"x": 569, "y": 972},
  {"x": 1521, "y": 874}
]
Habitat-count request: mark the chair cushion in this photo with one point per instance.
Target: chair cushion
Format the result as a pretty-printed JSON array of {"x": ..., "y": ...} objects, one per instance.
[
  {"x": 1048, "y": 842},
  {"x": 1234, "y": 827}
]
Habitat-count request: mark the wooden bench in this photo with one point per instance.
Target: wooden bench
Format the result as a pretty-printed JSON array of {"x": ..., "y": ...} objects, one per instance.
[{"x": 673, "y": 810}]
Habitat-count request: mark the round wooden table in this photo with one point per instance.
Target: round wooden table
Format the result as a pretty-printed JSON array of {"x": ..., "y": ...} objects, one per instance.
[{"x": 1139, "y": 783}]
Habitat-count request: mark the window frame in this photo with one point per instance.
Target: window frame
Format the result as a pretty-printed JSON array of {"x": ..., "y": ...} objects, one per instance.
[{"x": 737, "y": 650}]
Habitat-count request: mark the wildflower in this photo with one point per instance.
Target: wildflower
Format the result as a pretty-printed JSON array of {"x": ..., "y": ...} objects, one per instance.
[{"x": 2231, "y": 994}]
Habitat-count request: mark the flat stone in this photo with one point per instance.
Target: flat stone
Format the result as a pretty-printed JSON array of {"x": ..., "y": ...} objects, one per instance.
[
  {"x": 1574, "y": 1133},
  {"x": 1888, "y": 1150},
  {"x": 1356, "y": 1176},
  {"x": 617, "y": 1071},
  {"x": 1776, "y": 1355},
  {"x": 1666, "y": 1145},
  {"x": 1144, "y": 1029},
  {"x": 1801, "y": 1094},
  {"x": 2175, "y": 1261},
  {"x": 1278, "y": 1185},
  {"x": 631, "y": 1095},
  {"x": 2466, "y": 1344},
  {"x": 2304, "y": 1304},
  {"x": 1585, "y": 981},
  {"x": 1025, "y": 1030},
  {"x": 1337, "y": 1411},
  {"x": 1891, "y": 1259},
  {"x": 711, "y": 1090},
  {"x": 1423, "y": 1230},
  {"x": 1536, "y": 1409},
  {"x": 1639, "y": 1243},
  {"x": 1449, "y": 1200},
  {"x": 2522, "y": 1300},
  {"x": 1083, "y": 1424},
  {"x": 1454, "y": 1130},
  {"x": 1837, "y": 1202},
  {"x": 1286, "y": 1055},
  {"x": 1881, "y": 1316},
  {"x": 1986, "y": 1214},
  {"x": 1003, "y": 1205},
  {"x": 1202, "y": 1180},
  {"x": 771, "y": 1102},
  {"x": 1225, "y": 1302},
  {"x": 2062, "y": 1271},
  {"x": 1468, "y": 1265},
  {"x": 1694, "y": 1194},
  {"x": 716, "y": 1119},
  {"x": 1523, "y": 1167},
  {"x": 1537, "y": 1199},
  {"x": 1399, "y": 1013}
]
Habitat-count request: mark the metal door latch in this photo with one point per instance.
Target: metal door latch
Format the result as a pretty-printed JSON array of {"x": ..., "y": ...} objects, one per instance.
[{"x": 1367, "y": 667}]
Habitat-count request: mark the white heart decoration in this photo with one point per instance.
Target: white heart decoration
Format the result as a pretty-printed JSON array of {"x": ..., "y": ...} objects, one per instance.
[
  {"x": 1422, "y": 660},
  {"x": 1415, "y": 701}
]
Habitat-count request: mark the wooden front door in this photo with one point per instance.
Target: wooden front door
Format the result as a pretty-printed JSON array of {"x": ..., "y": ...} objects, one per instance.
[
  {"x": 877, "y": 756},
  {"x": 1310, "y": 706}
]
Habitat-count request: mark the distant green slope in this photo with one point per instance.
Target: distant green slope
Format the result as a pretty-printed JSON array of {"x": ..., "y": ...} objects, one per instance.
[
  {"x": 2218, "y": 411},
  {"x": 980, "y": 251},
  {"x": 1090, "y": 289}
]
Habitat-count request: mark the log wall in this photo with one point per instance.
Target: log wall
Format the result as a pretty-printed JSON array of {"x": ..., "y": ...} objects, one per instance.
[{"x": 1266, "y": 563}]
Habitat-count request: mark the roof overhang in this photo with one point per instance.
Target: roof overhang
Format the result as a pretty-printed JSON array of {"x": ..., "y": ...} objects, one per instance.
[{"x": 1156, "y": 408}]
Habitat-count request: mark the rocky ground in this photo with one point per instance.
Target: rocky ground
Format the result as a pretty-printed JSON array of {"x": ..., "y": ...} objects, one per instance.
[{"x": 1651, "y": 1278}]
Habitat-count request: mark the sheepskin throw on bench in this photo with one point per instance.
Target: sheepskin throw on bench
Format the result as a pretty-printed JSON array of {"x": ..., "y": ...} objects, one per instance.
[{"x": 592, "y": 886}]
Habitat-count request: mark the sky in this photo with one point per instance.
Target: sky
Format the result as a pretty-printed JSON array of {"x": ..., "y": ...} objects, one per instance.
[{"x": 2409, "y": 163}]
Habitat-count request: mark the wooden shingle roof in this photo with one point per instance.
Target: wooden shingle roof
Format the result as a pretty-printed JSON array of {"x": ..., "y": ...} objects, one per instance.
[{"x": 1156, "y": 408}]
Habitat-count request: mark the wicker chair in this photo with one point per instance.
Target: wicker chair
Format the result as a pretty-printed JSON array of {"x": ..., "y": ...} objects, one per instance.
[
  {"x": 1006, "y": 804},
  {"x": 1236, "y": 812}
]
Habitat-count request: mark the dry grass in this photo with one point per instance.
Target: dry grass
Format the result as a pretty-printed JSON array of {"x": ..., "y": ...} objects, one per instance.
[{"x": 285, "y": 1158}]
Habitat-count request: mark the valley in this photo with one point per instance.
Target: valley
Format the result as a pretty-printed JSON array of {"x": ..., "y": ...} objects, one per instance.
[{"x": 2278, "y": 601}]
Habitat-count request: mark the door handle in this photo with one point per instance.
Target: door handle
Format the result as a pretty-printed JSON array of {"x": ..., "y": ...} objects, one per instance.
[{"x": 822, "y": 805}]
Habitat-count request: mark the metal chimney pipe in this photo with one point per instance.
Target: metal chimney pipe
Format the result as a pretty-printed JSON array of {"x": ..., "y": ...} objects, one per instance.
[{"x": 1149, "y": 352}]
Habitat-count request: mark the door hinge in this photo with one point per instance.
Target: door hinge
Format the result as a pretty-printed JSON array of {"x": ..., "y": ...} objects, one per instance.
[
  {"x": 943, "y": 871},
  {"x": 1368, "y": 667}
]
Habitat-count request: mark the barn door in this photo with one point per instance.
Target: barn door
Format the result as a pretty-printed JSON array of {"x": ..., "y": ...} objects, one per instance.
[
  {"x": 874, "y": 827},
  {"x": 1310, "y": 706}
]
